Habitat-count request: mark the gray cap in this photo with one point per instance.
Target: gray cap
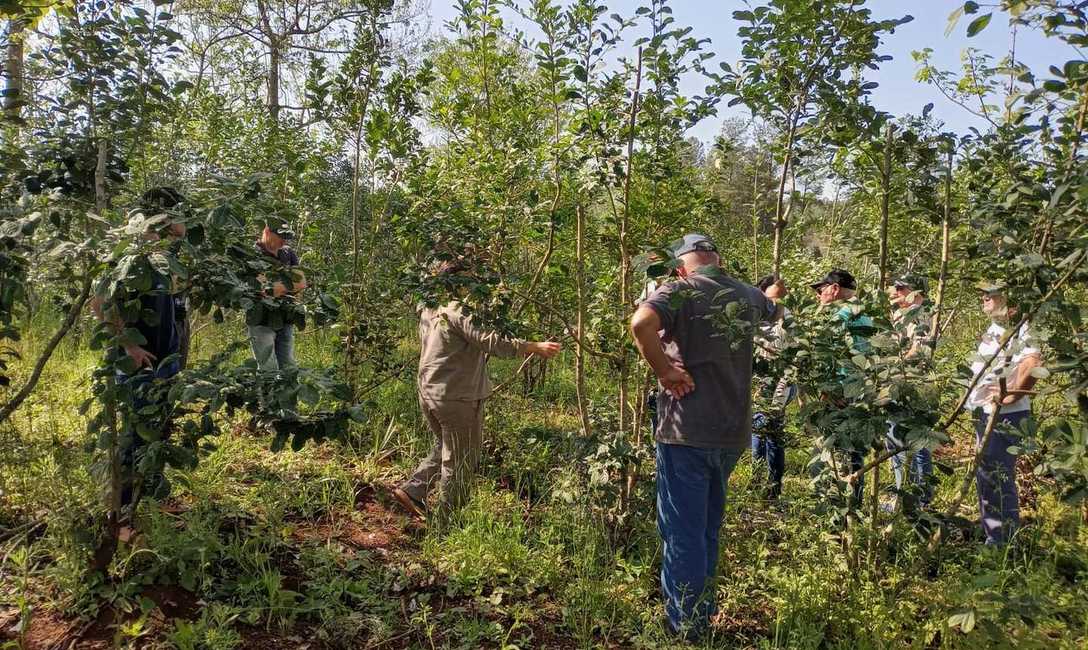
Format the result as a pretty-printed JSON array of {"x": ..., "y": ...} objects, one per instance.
[{"x": 694, "y": 242}]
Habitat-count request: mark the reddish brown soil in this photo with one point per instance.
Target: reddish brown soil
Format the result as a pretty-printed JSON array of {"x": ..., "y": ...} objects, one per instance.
[
  {"x": 51, "y": 631},
  {"x": 377, "y": 526},
  {"x": 255, "y": 638}
]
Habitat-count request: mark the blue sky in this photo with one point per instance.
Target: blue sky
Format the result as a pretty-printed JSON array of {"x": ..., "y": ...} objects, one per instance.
[{"x": 898, "y": 92}]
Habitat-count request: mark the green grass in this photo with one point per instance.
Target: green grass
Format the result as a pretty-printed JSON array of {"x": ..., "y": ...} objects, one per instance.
[{"x": 275, "y": 546}]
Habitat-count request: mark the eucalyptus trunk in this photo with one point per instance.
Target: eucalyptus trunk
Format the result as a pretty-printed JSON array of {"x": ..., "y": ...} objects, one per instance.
[
  {"x": 780, "y": 203},
  {"x": 755, "y": 220},
  {"x": 580, "y": 323},
  {"x": 625, "y": 273},
  {"x": 274, "y": 64},
  {"x": 13, "y": 70},
  {"x": 946, "y": 247},
  {"x": 885, "y": 203},
  {"x": 107, "y": 547}
]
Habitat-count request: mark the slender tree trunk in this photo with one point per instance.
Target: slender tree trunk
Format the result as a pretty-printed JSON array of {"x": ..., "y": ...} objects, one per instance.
[
  {"x": 108, "y": 546},
  {"x": 755, "y": 221},
  {"x": 13, "y": 70},
  {"x": 101, "y": 200},
  {"x": 780, "y": 210},
  {"x": 946, "y": 247},
  {"x": 557, "y": 179},
  {"x": 354, "y": 292},
  {"x": 364, "y": 105},
  {"x": 625, "y": 272},
  {"x": 274, "y": 81},
  {"x": 580, "y": 286},
  {"x": 1081, "y": 112},
  {"x": 885, "y": 202},
  {"x": 874, "y": 515}
]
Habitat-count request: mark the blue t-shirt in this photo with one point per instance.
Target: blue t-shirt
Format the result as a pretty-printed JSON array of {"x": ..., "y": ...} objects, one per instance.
[{"x": 857, "y": 323}]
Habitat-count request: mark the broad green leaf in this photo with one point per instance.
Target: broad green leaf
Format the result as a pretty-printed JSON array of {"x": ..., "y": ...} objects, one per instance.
[{"x": 978, "y": 24}]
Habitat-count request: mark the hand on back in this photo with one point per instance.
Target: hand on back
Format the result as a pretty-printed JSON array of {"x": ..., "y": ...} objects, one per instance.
[{"x": 677, "y": 381}]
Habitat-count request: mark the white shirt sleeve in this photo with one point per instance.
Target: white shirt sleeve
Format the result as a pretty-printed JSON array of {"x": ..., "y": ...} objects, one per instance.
[{"x": 1026, "y": 344}]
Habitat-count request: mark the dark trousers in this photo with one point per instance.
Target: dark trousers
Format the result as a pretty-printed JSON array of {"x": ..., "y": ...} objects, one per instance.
[
  {"x": 768, "y": 446},
  {"x": 651, "y": 406},
  {"x": 857, "y": 461},
  {"x": 181, "y": 323},
  {"x": 998, "y": 498},
  {"x": 691, "y": 489},
  {"x": 139, "y": 430}
]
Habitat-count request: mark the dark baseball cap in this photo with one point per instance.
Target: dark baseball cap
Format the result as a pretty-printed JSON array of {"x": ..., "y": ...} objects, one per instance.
[
  {"x": 280, "y": 229},
  {"x": 837, "y": 276},
  {"x": 911, "y": 281},
  {"x": 694, "y": 242}
]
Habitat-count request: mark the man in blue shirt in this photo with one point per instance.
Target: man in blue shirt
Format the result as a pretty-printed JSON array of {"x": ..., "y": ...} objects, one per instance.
[{"x": 143, "y": 363}]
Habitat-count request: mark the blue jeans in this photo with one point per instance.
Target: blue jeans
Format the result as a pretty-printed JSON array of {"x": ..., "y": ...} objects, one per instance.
[
  {"x": 767, "y": 445},
  {"x": 921, "y": 467},
  {"x": 273, "y": 349},
  {"x": 998, "y": 498},
  {"x": 691, "y": 486}
]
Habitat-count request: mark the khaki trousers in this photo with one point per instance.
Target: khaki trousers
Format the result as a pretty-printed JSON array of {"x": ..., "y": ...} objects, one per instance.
[{"x": 458, "y": 431}]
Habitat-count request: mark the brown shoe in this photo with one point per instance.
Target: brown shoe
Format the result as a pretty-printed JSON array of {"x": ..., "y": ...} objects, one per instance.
[{"x": 414, "y": 507}]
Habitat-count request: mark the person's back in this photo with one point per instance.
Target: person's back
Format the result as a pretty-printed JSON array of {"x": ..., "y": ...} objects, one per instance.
[
  {"x": 716, "y": 349},
  {"x": 703, "y": 362},
  {"x": 454, "y": 352}
]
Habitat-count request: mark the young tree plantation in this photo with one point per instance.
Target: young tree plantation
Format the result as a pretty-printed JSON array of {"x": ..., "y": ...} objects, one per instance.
[{"x": 258, "y": 259}]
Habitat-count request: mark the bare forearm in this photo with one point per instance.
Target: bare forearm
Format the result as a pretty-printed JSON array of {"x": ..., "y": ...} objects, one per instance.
[
  {"x": 1024, "y": 380},
  {"x": 649, "y": 346}
]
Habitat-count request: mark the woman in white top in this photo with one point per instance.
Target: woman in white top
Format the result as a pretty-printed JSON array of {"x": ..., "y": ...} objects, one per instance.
[{"x": 999, "y": 501}]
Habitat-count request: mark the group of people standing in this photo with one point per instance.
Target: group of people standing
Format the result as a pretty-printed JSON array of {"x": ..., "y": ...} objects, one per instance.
[
  {"x": 704, "y": 421},
  {"x": 703, "y": 424}
]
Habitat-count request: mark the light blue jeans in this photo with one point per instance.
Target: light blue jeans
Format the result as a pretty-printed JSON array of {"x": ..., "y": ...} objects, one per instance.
[
  {"x": 918, "y": 466},
  {"x": 273, "y": 349}
]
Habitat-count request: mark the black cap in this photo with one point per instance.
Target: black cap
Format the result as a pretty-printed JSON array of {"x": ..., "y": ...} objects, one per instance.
[
  {"x": 837, "y": 276},
  {"x": 280, "y": 229},
  {"x": 694, "y": 242},
  {"x": 765, "y": 282},
  {"x": 162, "y": 198},
  {"x": 911, "y": 281}
]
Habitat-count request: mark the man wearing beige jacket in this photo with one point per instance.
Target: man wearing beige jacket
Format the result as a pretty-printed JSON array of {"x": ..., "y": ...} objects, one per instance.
[{"x": 453, "y": 385}]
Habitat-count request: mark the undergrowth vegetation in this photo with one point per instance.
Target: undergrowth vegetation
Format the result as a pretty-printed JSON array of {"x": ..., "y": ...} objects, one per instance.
[
  {"x": 306, "y": 547},
  {"x": 546, "y": 145}
]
